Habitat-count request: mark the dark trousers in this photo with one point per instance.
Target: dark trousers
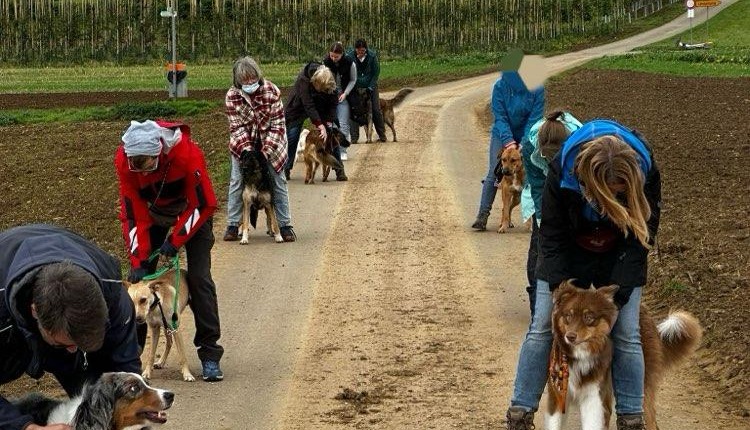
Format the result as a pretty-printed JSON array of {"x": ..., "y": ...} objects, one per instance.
[
  {"x": 377, "y": 118},
  {"x": 531, "y": 263},
  {"x": 203, "y": 301}
]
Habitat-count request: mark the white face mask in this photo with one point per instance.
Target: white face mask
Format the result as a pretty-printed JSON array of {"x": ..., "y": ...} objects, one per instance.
[{"x": 251, "y": 88}]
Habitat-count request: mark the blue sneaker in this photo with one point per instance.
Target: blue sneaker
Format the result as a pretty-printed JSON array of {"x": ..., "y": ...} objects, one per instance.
[{"x": 211, "y": 371}]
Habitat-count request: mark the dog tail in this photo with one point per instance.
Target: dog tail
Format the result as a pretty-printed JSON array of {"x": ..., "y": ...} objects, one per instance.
[
  {"x": 329, "y": 160},
  {"x": 401, "y": 95},
  {"x": 301, "y": 145},
  {"x": 680, "y": 333}
]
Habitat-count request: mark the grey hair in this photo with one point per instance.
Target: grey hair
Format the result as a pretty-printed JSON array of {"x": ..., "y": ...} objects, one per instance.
[
  {"x": 323, "y": 80},
  {"x": 245, "y": 67}
]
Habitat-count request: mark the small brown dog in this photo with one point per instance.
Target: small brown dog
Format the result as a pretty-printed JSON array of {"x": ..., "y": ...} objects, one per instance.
[
  {"x": 510, "y": 169},
  {"x": 319, "y": 152},
  {"x": 154, "y": 305},
  {"x": 386, "y": 108},
  {"x": 580, "y": 366}
]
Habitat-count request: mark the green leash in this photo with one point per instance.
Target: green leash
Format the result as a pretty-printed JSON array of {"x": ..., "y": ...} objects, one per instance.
[{"x": 173, "y": 263}]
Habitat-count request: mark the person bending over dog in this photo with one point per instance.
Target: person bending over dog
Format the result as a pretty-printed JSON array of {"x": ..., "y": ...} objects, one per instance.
[
  {"x": 539, "y": 148},
  {"x": 256, "y": 122},
  {"x": 164, "y": 185},
  {"x": 313, "y": 96},
  {"x": 63, "y": 310},
  {"x": 515, "y": 109},
  {"x": 600, "y": 215}
]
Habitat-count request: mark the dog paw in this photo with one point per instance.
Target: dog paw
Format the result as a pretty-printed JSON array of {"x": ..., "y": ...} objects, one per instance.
[
  {"x": 146, "y": 374},
  {"x": 244, "y": 241},
  {"x": 502, "y": 229},
  {"x": 159, "y": 365},
  {"x": 188, "y": 377},
  {"x": 278, "y": 238}
]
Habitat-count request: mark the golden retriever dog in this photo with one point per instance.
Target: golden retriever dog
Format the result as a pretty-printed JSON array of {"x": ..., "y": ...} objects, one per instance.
[
  {"x": 510, "y": 176},
  {"x": 319, "y": 152},
  {"x": 580, "y": 364},
  {"x": 156, "y": 306},
  {"x": 386, "y": 108}
]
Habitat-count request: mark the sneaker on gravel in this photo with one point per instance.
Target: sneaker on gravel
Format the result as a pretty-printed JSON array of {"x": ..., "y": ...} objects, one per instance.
[
  {"x": 211, "y": 371},
  {"x": 520, "y": 419},
  {"x": 232, "y": 233}
]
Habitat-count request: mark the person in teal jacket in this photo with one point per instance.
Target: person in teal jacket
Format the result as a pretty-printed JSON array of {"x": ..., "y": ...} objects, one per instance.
[
  {"x": 515, "y": 109},
  {"x": 538, "y": 149},
  {"x": 368, "y": 70}
]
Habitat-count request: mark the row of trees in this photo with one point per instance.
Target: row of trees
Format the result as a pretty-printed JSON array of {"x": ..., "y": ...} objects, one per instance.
[{"x": 48, "y": 31}]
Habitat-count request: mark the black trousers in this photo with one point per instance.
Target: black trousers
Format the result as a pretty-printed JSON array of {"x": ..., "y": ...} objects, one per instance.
[
  {"x": 203, "y": 301},
  {"x": 531, "y": 263}
]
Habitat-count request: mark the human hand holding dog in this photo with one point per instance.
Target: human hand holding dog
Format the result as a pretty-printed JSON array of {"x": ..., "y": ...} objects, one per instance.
[
  {"x": 323, "y": 132},
  {"x": 167, "y": 249},
  {"x": 512, "y": 143}
]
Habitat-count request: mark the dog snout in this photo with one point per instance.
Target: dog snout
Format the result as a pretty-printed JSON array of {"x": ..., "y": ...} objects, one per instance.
[
  {"x": 507, "y": 172},
  {"x": 571, "y": 337},
  {"x": 168, "y": 397}
]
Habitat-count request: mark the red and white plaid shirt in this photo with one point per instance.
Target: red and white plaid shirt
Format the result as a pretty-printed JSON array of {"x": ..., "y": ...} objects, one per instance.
[{"x": 257, "y": 120}]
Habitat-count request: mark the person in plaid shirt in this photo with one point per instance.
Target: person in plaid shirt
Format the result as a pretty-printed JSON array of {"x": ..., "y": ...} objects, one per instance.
[{"x": 256, "y": 123}]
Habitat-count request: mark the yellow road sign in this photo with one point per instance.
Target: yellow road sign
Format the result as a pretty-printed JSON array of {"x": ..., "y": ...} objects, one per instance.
[{"x": 707, "y": 3}]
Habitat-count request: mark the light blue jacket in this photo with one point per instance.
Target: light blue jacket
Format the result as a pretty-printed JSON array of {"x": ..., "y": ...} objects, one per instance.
[{"x": 514, "y": 107}]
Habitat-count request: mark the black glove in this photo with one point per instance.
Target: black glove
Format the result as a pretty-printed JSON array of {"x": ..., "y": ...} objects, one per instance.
[
  {"x": 136, "y": 275},
  {"x": 167, "y": 249}
]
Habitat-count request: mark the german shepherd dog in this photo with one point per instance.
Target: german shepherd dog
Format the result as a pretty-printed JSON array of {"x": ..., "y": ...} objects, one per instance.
[
  {"x": 386, "y": 107},
  {"x": 257, "y": 194},
  {"x": 361, "y": 109},
  {"x": 319, "y": 152},
  {"x": 155, "y": 305},
  {"x": 510, "y": 176},
  {"x": 580, "y": 366}
]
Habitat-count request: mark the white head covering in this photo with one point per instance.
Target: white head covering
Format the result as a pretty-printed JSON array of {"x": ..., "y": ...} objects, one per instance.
[{"x": 149, "y": 138}]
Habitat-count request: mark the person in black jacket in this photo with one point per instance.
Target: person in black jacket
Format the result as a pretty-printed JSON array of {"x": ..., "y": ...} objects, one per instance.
[
  {"x": 345, "y": 74},
  {"x": 600, "y": 214},
  {"x": 313, "y": 96},
  {"x": 63, "y": 310}
]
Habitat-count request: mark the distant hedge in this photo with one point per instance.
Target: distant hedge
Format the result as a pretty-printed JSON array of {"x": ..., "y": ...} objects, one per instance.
[{"x": 34, "y": 32}]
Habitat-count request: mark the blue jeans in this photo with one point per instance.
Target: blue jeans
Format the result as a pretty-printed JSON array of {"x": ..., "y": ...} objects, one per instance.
[
  {"x": 292, "y": 137},
  {"x": 488, "y": 185},
  {"x": 234, "y": 200},
  {"x": 342, "y": 113},
  {"x": 627, "y": 364}
]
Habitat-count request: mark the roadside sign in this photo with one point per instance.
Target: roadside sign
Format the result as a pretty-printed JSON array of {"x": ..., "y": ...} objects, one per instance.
[
  {"x": 706, "y": 3},
  {"x": 690, "y": 4},
  {"x": 691, "y": 13}
]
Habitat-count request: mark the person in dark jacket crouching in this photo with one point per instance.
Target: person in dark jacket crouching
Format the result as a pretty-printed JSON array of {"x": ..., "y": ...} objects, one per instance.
[
  {"x": 63, "y": 310},
  {"x": 600, "y": 214}
]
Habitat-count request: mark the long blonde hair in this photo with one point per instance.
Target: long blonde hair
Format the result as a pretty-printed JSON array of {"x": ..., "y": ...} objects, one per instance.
[
  {"x": 609, "y": 160},
  {"x": 323, "y": 81}
]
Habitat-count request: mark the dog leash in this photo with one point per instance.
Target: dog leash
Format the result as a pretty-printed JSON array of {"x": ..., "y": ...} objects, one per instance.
[{"x": 174, "y": 263}]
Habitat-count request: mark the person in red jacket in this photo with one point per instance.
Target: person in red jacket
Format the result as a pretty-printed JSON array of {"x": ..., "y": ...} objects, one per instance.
[{"x": 167, "y": 202}]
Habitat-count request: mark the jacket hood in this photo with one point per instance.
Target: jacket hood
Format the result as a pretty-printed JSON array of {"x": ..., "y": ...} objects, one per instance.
[
  {"x": 37, "y": 251},
  {"x": 592, "y": 130}
]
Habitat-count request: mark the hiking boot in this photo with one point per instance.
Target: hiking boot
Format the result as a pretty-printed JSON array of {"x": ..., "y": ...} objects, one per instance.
[
  {"x": 480, "y": 224},
  {"x": 287, "y": 233},
  {"x": 211, "y": 371},
  {"x": 520, "y": 419},
  {"x": 340, "y": 175},
  {"x": 630, "y": 422},
  {"x": 232, "y": 233}
]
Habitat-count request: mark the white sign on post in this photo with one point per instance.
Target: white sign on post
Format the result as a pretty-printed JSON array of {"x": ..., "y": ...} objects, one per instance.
[{"x": 691, "y": 13}]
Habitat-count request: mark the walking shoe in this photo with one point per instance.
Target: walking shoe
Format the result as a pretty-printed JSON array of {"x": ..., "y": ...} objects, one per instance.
[
  {"x": 480, "y": 224},
  {"x": 630, "y": 422},
  {"x": 211, "y": 371},
  {"x": 232, "y": 233},
  {"x": 520, "y": 419},
  {"x": 340, "y": 175},
  {"x": 287, "y": 233}
]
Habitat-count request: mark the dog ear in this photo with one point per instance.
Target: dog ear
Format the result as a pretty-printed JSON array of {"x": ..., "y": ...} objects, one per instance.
[
  {"x": 564, "y": 290},
  {"x": 609, "y": 292}
]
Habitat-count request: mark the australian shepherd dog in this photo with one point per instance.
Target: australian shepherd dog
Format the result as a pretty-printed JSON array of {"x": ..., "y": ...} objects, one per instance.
[
  {"x": 257, "y": 194},
  {"x": 510, "y": 179},
  {"x": 117, "y": 401},
  {"x": 581, "y": 359}
]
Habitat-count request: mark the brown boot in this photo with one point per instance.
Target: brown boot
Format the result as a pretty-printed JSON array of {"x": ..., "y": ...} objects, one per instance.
[
  {"x": 520, "y": 419},
  {"x": 630, "y": 422},
  {"x": 481, "y": 222}
]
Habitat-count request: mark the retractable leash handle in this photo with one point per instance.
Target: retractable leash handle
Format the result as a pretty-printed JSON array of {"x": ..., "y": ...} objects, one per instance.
[{"x": 173, "y": 263}]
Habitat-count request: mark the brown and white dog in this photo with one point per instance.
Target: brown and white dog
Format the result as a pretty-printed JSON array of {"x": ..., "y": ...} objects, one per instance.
[
  {"x": 510, "y": 176},
  {"x": 580, "y": 365},
  {"x": 386, "y": 108},
  {"x": 318, "y": 152},
  {"x": 116, "y": 401},
  {"x": 156, "y": 306}
]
